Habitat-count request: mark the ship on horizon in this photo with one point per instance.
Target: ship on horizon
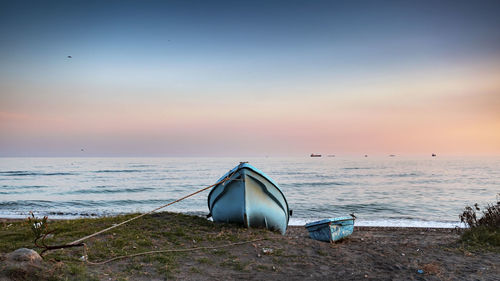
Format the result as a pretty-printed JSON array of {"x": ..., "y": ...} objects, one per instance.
[{"x": 315, "y": 155}]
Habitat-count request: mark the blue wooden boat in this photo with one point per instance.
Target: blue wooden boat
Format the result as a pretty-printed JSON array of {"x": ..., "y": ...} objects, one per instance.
[
  {"x": 330, "y": 230},
  {"x": 246, "y": 196}
]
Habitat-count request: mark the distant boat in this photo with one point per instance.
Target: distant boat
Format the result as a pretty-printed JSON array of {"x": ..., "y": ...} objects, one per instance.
[
  {"x": 331, "y": 155},
  {"x": 366, "y": 155},
  {"x": 315, "y": 155},
  {"x": 330, "y": 230},
  {"x": 392, "y": 155},
  {"x": 248, "y": 197},
  {"x": 433, "y": 155}
]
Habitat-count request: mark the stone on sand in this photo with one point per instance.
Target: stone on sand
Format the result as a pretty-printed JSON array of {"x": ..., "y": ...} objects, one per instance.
[{"x": 24, "y": 255}]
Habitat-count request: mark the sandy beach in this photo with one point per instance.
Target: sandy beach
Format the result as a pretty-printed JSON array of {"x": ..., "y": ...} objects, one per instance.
[{"x": 370, "y": 253}]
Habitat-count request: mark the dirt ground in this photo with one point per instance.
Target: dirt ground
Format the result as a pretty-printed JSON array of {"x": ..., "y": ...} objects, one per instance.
[{"x": 370, "y": 253}]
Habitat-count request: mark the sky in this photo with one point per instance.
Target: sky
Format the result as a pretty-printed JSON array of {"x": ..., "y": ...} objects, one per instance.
[{"x": 249, "y": 78}]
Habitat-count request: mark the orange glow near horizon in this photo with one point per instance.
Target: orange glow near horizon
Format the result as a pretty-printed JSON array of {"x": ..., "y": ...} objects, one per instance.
[
  {"x": 228, "y": 79},
  {"x": 452, "y": 115}
]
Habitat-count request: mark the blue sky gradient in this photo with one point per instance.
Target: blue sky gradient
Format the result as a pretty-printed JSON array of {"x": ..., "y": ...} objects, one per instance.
[{"x": 130, "y": 58}]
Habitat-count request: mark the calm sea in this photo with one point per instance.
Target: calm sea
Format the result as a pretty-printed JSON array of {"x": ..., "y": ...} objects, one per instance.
[{"x": 381, "y": 191}]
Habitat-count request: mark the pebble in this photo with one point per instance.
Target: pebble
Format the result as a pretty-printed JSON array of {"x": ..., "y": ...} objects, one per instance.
[{"x": 267, "y": 251}]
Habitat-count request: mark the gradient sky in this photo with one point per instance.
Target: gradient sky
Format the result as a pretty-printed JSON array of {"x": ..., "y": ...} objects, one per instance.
[{"x": 231, "y": 78}]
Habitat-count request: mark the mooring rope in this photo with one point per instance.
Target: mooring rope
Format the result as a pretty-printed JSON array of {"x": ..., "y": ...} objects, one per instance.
[
  {"x": 139, "y": 216},
  {"x": 79, "y": 241},
  {"x": 167, "y": 251}
]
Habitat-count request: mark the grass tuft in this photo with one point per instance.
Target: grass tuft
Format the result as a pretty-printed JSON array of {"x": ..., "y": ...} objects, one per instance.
[{"x": 483, "y": 232}]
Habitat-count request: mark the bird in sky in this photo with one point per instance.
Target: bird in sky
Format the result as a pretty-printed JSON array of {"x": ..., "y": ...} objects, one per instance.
[{"x": 70, "y": 57}]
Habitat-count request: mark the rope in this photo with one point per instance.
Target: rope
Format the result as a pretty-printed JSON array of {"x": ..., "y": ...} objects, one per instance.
[
  {"x": 167, "y": 251},
  {"x": 150, "y": 212}
]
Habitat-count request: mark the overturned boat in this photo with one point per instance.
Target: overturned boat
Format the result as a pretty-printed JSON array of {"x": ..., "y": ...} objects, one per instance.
[{"x": 247, "y": 196}]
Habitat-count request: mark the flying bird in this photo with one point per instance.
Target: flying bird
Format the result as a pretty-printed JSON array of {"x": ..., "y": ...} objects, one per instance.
[{"x": 70, "y": 57}]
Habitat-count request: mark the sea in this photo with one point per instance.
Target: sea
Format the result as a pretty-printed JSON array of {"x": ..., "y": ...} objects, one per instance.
[{"x": 380, "y": 191}]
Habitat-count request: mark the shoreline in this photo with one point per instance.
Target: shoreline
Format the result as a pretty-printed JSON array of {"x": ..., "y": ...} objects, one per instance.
[
  {"x": 356, "y": 227},
  {"x": 299, "y": 222},
  {"x": 398, "y": 253}
]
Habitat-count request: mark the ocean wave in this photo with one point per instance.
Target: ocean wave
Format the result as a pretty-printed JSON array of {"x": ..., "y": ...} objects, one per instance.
[
  {"x": 26, "y": 204},
  {"x": 119, "y": 171},
  {"x": 357, "y": 168},
  {"x": 11, "y": 192},
  {"x": 72, "y": 205},
  {"x": 371, "y": 208},
  {"x": 389, "y": 223},
  {"x": 404, "y": 175},
  {"x": 14, "y": 187},
  {"x": 314, "y": 184},
  {"x": 141, "y": 165},
  {"x": 108, "y": 190},
  {"x": 31, "y": 173}
]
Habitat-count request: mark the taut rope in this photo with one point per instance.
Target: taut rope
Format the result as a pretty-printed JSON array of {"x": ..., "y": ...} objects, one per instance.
[{"x": 78, "y": 242}]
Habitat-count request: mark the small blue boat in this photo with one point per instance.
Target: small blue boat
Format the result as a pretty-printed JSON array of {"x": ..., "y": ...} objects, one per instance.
[
  {"x": 248, "y": 197},
  {"x": 330, "y": 230}
]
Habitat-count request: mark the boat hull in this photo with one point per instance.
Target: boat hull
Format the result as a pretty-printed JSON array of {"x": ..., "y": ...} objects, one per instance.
[
  {"x": 331, "y": 230},
  {"x": 249, "y": 198}
]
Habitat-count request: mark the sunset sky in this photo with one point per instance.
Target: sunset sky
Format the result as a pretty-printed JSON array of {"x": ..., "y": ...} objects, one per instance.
[{"x": 254, "y": 78}]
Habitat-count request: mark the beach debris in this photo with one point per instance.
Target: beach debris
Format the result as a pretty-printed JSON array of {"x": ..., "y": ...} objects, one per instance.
[
  {"x": 403, "y": 254},
  {"x": 24, "y": 255},
  {"x": 267, "y": 251},
  {"x": 40, "y": 232},
  {"x": 420, "y": 271}
]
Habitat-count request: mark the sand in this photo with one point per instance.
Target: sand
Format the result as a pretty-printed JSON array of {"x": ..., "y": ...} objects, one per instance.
[{"x": 370, "y": 253}]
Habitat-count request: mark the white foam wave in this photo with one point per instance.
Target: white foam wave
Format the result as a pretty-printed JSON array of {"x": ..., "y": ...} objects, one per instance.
[{"x": 388, "y": 223}]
